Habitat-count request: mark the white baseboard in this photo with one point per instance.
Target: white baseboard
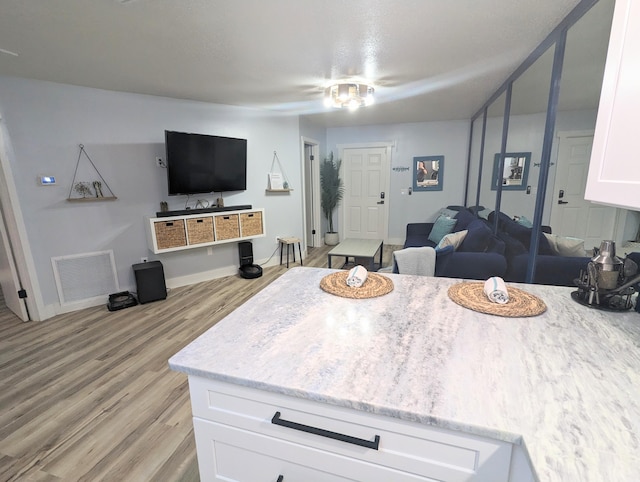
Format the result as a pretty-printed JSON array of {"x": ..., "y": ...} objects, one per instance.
[
  {"x": 59, "y": 309},
  {"x": 177, "y": 282}
]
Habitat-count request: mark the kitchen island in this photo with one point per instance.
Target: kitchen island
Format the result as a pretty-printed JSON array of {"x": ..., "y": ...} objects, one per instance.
[{"x": 561, "y": 388}]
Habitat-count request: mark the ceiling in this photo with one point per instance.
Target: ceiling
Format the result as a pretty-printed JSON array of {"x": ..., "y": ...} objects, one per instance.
[{"x": 428, "y": 59}]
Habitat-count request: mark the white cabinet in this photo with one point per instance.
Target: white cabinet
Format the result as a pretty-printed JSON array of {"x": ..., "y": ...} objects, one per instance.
[
  {"x": 614, "y": 174},
  {"x": 240, "y": 438},
  {"x": 175, "y": 233}
]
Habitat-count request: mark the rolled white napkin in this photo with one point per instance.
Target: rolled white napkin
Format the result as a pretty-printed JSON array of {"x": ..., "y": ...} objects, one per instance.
[
  {"x": 496, "y": 290},
  {"x": 357, "y": 276}
]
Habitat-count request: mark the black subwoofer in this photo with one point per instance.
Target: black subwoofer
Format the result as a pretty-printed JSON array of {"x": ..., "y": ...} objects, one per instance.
[{"x": 150, "y": 281}]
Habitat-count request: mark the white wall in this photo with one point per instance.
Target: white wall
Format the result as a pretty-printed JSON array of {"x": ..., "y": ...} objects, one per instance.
[
  {"x": 123, "y": 133},
  {"x": 412, "y": 140}
]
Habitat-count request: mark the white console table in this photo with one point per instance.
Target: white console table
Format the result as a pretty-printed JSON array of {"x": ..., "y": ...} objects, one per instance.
[{"x": 175, "y": 233}]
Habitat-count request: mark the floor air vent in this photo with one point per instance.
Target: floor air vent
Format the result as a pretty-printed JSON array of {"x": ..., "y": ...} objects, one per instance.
[{"x": 85, "y": 277}]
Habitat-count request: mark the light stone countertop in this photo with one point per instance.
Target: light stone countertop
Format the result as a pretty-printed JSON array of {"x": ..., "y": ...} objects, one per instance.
[{"x": 565, "y": 384}]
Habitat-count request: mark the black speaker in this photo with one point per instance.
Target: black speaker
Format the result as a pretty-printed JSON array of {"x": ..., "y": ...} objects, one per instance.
[
  {"x": 248, "y": 270},
  {"x": 150, "y": 281}
]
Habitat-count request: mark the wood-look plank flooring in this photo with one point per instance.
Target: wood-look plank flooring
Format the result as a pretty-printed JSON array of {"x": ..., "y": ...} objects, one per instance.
[{"x": 89, "y": 396}]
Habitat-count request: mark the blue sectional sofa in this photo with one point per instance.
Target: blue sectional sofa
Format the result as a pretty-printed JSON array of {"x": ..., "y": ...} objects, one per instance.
[
  {"x": 550, "y": 269},
  {"x": 456, "y": 264},
  {"x": 483, "y": 254}
]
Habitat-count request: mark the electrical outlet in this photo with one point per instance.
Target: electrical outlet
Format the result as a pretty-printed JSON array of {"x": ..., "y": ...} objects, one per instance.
[
  {"x": 144, "y": 259},
  {"x": 159, "y": 162}
]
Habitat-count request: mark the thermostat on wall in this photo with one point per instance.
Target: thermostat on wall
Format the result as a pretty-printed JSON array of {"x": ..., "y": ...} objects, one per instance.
[{"x": 47, "y": 180}]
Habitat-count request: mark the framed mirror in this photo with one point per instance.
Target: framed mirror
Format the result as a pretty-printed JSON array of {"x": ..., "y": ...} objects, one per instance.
[
  {"x": 427, "y": 173},
  {"x": 514, "y": 173}
]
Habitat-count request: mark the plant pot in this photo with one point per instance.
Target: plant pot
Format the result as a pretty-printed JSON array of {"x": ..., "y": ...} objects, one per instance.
[{"x": 331, "y": 239}]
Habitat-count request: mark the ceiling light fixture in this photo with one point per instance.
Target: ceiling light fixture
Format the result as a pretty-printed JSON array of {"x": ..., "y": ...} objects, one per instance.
[{"x": 347, "y": 94}]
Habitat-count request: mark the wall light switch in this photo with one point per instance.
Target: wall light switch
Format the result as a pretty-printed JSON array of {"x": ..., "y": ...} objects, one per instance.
[{"x": 47, "y": 180}]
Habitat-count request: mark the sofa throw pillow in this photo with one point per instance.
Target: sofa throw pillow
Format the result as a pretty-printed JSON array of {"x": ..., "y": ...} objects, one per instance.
[
  {"x": 496, "y": 245},
  {"x": 512, "y": 247},
  {"x": 450, "y": 213},
  {"x": 463, "y": 218},
  {"x": 523, "y": 221},
  {"x": 477, "y": 238},
  {"x": 443, "y": 226},
  {"x": 522, "y": 233},
  {"x": 566, "y": 246},
  {"x": 452, "y": 239}
]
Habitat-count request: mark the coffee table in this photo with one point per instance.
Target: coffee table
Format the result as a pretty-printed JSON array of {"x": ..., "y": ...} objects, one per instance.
[{"x": 358, "y": 248}]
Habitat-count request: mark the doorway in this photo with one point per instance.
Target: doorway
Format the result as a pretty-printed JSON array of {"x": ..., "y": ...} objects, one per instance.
[
  {"x": 365, "y": 208},
  {"x": 9, "y": 278},
  {"x": 311, "y": 195},
  {"x": 571, "y": 215},
  {"x": 14, "y": 275}
]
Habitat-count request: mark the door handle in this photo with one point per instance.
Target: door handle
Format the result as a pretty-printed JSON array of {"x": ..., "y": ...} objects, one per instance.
[
  {"x": 562, "y": 202},
  {"x": 380, "y": 202}
]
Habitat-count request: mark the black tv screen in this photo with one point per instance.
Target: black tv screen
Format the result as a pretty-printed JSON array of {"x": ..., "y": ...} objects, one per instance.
[{"x": 199, "y": 163}]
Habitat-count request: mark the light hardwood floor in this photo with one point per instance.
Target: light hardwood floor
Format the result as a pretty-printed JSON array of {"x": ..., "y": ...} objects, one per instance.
[{"x": 89, "y": 395}]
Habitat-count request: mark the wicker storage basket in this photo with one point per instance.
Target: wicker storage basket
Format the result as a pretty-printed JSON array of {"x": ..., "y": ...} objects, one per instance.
[
  {"x": 251, "y": 224},
  {"x": 170, "y": 234},
  {"x": 200, "y": 230},
  {"x": 227, "y": 227}
]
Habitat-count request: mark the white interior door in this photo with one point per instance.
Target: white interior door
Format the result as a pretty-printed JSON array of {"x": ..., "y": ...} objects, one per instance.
[
  {"x": 365, "y": 203},
  {"x": 571, "y": 215},
  {"x": 9, "y": 281}
]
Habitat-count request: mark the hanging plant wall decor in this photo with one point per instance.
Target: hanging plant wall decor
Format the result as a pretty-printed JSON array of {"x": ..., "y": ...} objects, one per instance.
[{"x": 89, "y": 190}]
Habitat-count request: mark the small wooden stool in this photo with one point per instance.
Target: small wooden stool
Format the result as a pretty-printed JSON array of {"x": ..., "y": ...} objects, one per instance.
[{"x": 290, "y": 242}]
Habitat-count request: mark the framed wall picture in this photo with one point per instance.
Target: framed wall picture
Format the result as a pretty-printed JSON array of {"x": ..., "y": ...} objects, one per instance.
[
  {"x": 514, "y": 173},
  {"x": 427, "y": 173}
]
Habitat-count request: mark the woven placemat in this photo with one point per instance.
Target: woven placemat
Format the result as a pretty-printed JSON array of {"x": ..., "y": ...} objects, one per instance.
[
  {"x": 374, "y": 285},
  {"x": 472, "y": 296}
]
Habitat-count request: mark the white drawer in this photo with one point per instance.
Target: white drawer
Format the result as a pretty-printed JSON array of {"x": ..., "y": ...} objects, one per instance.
[
  {"x": 404, "y": 446},
  {"x": 230, "y": 454}
]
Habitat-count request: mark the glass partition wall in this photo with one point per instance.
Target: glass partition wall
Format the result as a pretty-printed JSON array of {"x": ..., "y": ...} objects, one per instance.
[{"x": 514, "y": 140}]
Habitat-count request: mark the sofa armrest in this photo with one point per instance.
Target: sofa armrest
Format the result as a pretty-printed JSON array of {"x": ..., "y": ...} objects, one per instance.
[
  {"x": 418, "y": 235},
  {"x": 419, "y": 229}
]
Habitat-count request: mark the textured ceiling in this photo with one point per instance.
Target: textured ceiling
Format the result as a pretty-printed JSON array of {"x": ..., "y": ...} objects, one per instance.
[{"x": 428, "y": 59}]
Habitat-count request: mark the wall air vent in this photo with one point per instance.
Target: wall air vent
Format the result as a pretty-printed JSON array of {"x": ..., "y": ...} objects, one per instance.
[{"x": 88, "y": 277}]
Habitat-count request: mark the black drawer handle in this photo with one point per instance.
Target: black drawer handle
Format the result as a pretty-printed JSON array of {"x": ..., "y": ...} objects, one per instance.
[
  {"x": 226, "y": 217},
  {"x": 249, "y": 215},
  {"x": 169, "y": 224},
  {"x": 326, "y": 433},
  {"x": 199, "y": 220}
]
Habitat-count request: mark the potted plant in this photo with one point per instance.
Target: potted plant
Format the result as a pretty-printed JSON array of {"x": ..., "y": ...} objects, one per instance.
[{"x": 332, "y": 191}]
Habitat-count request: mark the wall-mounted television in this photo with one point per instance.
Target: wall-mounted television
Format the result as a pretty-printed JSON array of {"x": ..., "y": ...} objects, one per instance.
[{"x": 199, "y": 163}]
